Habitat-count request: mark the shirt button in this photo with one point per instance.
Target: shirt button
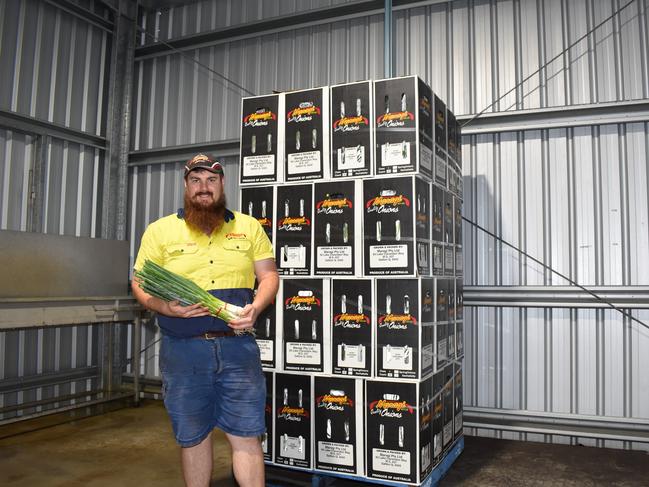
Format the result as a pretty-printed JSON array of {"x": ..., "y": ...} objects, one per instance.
[
  {"x": 211, "y": 262},
  {"x": 212, "y": 282}
]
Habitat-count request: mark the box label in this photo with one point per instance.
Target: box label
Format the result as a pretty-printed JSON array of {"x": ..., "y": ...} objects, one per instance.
[
  {"x": 266, "y": 350},
  {"x": 302, "y": 353},
  {"x": 263, "y": 165},
  {"x": 395, "y": 154},
  {"x": 388, "y": 256},
  {"x": 304, "y": 162},
  {"x": 391, "y": 461},
  {"x": 336, "y": 257},
  {"x": 336, "y": 453}
]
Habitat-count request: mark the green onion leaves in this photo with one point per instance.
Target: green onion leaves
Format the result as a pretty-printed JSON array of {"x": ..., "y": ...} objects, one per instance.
[{"x": 169, "y": 286}]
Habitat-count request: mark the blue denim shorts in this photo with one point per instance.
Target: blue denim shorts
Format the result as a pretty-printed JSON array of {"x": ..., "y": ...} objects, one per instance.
[{"x": 215, "y": 383}]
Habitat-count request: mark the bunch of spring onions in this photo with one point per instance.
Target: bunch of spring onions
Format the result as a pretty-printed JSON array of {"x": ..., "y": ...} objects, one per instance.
[{"x": 169, "y": 286}]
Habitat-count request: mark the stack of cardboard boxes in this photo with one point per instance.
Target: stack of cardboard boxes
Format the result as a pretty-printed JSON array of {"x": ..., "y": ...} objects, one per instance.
[{"x": 359, "y": 188}]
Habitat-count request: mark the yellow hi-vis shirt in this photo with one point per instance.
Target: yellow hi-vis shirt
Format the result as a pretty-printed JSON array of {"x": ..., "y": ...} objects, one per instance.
[{"x": 223, "y": 260}]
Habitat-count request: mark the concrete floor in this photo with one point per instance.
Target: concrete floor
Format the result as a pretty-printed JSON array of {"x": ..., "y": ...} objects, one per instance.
[{"x": 134, "y": 447}]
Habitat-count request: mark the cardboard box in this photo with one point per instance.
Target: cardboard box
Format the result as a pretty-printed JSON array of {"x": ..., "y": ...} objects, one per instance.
[
  {"x": 423, "y": 227},
  {"x": 457, "y": 401},
  {"x": 293, "y": 420},
  {"x": 438, "y": 417},
  {"x": 426, "y": 426},
  {"x": 449, "y": 249},
  {"x": 304, "y": 312},
  {"x": 396, "y": 435},
  {"x": 451, "y": 146},
  {"x": 306, "y": 147},
  {"x": 268, "y": 336},
  {"x": 457, "y": 221},
  {"x": 337, "y": 233},
  {"x": 448, "y": 413},
  {"x": 451, "y": 319},
  {"x": 352, "y": 130},
  {"x": 352, "y": 330},
  {"x": 389, "y": 224},
  {"x": 259, "y": 203},
  {"x": 459, "y": 319},
  {"x": 437, "y": 230},
  {"x": 267, "y": 437},
  {"x": 262, "y": 139},
  {"x": 338, "y": 421},
  {"x": 403, "y": 110},
  {"x": 404, "y": 332},
  {"x": 442, "y": 327},
  {"x": 440, "y": 137},
  {"x": 459, "y": 340},
  {"x": 293, "y": 236},
  {"x": 459, "y": 299}
]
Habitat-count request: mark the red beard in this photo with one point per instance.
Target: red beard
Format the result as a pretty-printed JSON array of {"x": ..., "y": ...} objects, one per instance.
[{"x": 205, "y": 217}]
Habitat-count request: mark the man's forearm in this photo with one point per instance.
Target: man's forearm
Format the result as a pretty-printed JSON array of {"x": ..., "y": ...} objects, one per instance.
[
  {"x": 149, "y": 302},
  {"x": 266, "y": 291}
]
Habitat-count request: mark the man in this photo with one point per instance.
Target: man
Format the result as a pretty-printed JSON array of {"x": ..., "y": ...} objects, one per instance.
[{"x": 211, "y": 370}]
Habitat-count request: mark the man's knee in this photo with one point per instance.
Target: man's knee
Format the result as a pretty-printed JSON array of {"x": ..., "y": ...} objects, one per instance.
[{"x": 244, "y": 443}]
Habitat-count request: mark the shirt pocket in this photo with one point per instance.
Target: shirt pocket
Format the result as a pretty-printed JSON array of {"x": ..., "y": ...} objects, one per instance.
[
  {"x": 178, "y": 250},
  {"x": 236, "y": 246}
]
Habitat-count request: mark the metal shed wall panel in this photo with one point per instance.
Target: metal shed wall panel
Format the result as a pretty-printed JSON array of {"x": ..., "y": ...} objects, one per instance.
[
  {"x": 576, "y": 199},
  {"x": 475, "y": 54},
  {"x": 54, "y": 67},
  {"x": 205, "y": 16}
]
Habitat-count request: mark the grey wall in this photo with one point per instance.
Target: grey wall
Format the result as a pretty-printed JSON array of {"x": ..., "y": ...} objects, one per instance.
[
  {"x": 53, "y": 99},
  {"x": 570, "y": 191}
]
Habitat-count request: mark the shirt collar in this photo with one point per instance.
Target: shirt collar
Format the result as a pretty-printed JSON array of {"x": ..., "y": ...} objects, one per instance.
[{"x": 227, "y": 217}]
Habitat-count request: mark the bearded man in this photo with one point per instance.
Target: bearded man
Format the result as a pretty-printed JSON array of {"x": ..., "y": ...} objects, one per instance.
[{"x": 211, "y": 370}]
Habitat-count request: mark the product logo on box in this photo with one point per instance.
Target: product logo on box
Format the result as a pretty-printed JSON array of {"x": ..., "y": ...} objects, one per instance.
[
  {"x": 424, "y": 104},
  {"x": 349, "y": 320},
  {"x": 437, "y": 410},
  {"x": 394, "y": 119},
  {"x": 289, "y": 413},
  {"x": 388, "y": 203},
  {"x": 439, "y": 118},
  {"x": 302, "y": 303},
  {"x": 391, "y": 408},
  {"x": 303, "y": 113},
  {"x": 427, "y": 302},
  {"x": 333, "y": 206},
  {"x": 265, "y": 222},
  {"x": 332, "y": 402},
  {"x": 425, "y": 419},
  {"x": 260, "y": 118},
  {"x": 396, "y": 322},
  {"x": 293, "y": 224},
  {"x": 350, "y": 124}
]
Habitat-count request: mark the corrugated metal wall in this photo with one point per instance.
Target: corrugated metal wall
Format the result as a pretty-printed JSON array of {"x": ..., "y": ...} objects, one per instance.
[
  {"x": 54, "y": 67},
  {"x": 576, "y": 198}
]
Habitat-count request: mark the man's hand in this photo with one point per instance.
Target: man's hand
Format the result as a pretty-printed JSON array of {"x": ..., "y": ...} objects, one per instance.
[
  {"x": 246, "y": 319},
  {"x": 176, "y": 310}
]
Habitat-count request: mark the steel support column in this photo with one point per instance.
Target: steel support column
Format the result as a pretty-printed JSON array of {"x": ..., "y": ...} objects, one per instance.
[{"x": 113, "y": 218}]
